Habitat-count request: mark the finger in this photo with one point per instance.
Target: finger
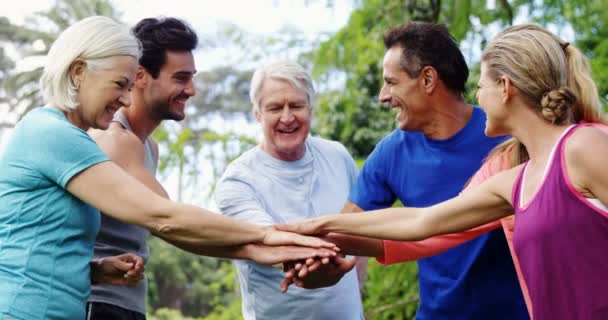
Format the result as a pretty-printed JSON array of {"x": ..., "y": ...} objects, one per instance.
[
  {"x": 303, "y": 272},
  {"x": 286, "y": 283},
  {"x": 299, "y": 283},
  {"x": 315, "y": 266},
  {"x": 313, "y": 242},
  {"x": 121, "y": 265},
  {"x": 309, "y": 261}
]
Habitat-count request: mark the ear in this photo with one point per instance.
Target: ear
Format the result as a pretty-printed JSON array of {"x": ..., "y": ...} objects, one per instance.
[
  {"x": 429, "y": 79},
  {"x": 78, "y": 70},
  {"x": 141, "y": 77},
  {"x": 507, "y": 89},
  {"x": 257, "y": 115}
]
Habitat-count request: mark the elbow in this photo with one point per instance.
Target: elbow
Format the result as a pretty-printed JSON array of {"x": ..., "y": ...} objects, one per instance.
[{"x": 161, "y": 222}]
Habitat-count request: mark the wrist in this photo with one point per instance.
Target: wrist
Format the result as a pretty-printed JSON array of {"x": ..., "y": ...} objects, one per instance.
[
  {"x": 245, "y": 251},
  {"x": 96, "y": 270}
]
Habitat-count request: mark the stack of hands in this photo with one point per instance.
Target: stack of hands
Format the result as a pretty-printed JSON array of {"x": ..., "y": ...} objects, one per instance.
[
  {"x": 319, "y": 270},
  {"x": 308, "y": 257}
]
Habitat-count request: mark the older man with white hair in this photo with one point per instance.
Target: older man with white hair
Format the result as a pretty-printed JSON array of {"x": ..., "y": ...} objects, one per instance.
[{"x": 288, "y": 176}]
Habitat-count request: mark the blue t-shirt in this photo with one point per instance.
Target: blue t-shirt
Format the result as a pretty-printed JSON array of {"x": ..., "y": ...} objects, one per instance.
[
  {"x": 475, "y": 280},
  {"x": 46, "y": 234}
]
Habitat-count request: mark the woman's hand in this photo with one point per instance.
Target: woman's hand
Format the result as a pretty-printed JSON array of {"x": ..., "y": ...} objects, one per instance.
[
  {"x": 305, "y": 227},
  {"x": 274, "y": 237}
]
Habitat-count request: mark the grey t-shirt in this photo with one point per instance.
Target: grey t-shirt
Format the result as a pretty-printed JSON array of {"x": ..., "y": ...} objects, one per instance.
[
  {"x": 116, "y": 237},
  {"x": 264, "y": 190}
]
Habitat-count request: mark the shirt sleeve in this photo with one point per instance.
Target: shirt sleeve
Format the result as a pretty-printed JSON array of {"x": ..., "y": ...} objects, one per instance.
[
  {"x": 396, "y": 251},
  {"x": 371, "y": 190},
  {"x": 237, "y": 199},
  {"x": 61, "y": 150}
]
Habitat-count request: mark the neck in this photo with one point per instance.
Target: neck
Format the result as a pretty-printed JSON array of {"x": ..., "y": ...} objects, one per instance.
[
  {"x": 75, "y": 118},
  {"x": 536, "y": 134},
  {"x": 141, "y": 121},
  {"x": 447, "y": 116},
  {"x": 285, "y": 156}
]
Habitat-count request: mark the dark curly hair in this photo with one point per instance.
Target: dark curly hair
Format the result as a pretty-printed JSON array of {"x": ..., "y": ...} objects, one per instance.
[{"x": 159, "y": 35}]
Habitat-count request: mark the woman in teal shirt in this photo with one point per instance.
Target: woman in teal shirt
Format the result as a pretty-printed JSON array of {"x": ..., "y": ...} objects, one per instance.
[{"x": 55, "y": 178}]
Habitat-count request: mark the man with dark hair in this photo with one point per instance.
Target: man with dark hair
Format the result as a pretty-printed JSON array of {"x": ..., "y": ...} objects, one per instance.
[
  {"x": 439, "y": 145},
  {"x": 163, "y": 84}
]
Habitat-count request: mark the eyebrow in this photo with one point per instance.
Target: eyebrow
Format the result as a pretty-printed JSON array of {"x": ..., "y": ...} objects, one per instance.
[{"x": 185, "y": 73}]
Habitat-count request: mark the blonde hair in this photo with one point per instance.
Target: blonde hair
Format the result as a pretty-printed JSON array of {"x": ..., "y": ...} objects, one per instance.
[
  {"x": 283, "y": 70},
  {"x": 92, "y": 40},
  {"x": 539, "y": 56}
]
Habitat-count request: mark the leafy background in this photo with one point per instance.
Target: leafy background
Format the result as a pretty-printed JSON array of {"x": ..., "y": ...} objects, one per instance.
[{"x": 347, "y": 69}]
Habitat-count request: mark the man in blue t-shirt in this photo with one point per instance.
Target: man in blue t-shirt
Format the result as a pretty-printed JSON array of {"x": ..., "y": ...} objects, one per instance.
[{"x": 439, "y": 145}]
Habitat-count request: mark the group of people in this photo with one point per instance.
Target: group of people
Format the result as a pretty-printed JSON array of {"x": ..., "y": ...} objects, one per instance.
[{"x": 520, "y": 157}]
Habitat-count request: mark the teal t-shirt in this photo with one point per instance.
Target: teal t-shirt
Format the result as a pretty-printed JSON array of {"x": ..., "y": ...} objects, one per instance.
[{"x": 46, "y": 234}]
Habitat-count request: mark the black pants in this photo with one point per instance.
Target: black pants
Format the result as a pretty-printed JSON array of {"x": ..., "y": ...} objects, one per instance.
[{"x": 104, "y": 311}]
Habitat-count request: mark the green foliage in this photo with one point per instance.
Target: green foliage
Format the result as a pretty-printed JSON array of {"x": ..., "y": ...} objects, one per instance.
[
  {"x": 195, "y": 285},
  {"x": 391, "y": 292}
]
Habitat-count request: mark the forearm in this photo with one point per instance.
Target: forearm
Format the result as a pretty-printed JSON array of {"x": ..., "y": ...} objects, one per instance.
[
  {"x": 356, "y": 246},
  {"x": 229, "y": 252},
  {"x": 196, "y": 227},
  {"x": 402, "y": 224}
]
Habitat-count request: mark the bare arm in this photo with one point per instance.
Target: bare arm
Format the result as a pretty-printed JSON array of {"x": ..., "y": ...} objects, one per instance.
[
  {"x": 110, "y": 189},
  {"x": 127, "y": 151},
  {"x": 489, "y": 202},
  {"x": 586, "y": 166}
]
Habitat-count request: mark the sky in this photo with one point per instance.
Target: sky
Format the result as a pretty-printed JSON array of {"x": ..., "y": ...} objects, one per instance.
[{"x": 258, "y": 17}]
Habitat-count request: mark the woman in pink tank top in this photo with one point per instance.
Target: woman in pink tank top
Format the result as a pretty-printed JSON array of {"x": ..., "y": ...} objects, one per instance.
[
  {"x": 561, "y": 225},
  {"x": 503, "y": 158}
]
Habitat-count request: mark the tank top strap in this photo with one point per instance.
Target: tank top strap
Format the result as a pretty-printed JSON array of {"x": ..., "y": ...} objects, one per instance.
[{"x": 554, "y": 165}]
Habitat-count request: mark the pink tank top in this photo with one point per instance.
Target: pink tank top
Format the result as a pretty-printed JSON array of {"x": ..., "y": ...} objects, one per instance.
[{"x": 561, "y": 240}]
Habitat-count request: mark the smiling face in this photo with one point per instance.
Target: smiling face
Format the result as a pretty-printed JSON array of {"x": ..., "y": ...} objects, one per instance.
[
  {"x": 490, "y": 99},
  {"x": 285, "y": 118},
  {"x": 103, "y": 90},
  {"x": 166, "y": 95},
  {"x": 403, "y": 93}
]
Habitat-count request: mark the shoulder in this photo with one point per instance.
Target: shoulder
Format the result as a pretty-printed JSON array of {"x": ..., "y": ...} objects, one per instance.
[
  {"x": 577, "y": 147},
  {"x": 328, "y": 147},
  {"x": 243, "y": 166},
  {"x": 116, "y": 141}
]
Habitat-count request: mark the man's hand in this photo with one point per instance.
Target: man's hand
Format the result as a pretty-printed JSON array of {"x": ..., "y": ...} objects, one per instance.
[
  {"x": 318, "y": 274},
  {"x": 276, "y": 254},
  {"x": 124, "y": 269}
]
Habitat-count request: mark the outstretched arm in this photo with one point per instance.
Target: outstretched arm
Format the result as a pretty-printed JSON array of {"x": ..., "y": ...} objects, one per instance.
[
  {"x": 489, "y": 202},
  {"x": 116, "y": 140},
  {"x": 110, "y": 189}
]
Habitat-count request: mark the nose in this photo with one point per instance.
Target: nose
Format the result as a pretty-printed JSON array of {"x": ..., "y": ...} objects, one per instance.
[
  {"x": 384, "y": 95},
  {"x": 125, "y": 98},
  {"x": 189, "y": 89},
  {"x": 287, "y": 114}
]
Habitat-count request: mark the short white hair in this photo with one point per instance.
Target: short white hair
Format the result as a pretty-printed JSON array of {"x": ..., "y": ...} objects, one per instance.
[
  {"x": 284, "y": 70},
  {"x": 92, "y": 40}
]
